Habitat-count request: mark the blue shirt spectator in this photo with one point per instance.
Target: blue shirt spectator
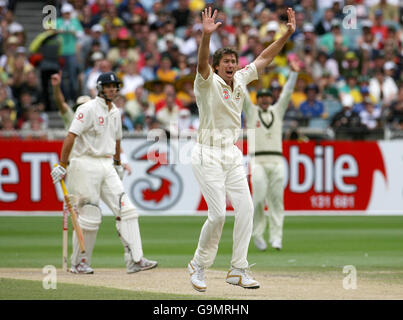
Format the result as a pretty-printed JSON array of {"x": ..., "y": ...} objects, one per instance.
[{"x": 311, "y": 108}]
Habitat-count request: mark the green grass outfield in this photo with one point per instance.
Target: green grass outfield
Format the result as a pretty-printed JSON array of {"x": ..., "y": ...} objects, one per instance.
[{"x": 310, "y": 243}]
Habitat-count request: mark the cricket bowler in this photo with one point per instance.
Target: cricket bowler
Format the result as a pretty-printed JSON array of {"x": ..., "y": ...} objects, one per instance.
[{"x": 216, "y": 161}]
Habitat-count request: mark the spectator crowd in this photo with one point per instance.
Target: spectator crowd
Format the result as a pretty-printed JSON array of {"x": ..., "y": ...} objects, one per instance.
[{"x": 350, "y": 52}]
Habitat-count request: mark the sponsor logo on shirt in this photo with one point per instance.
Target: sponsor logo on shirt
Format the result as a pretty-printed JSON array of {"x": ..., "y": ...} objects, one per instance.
[
  {"x": 80, "y": 116},
  {"x": 226, "y": 94},
  {"x": 101, "y": 120}
]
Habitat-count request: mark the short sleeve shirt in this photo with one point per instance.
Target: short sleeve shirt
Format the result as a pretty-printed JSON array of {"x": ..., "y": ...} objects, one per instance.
[
  {"x": 220, "y": 107},
  {"x": 97, "y": 129}
]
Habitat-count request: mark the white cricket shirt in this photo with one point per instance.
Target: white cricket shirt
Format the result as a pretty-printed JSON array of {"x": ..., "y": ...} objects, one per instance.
[
  {"x": 97, "y": 129},
  {"x": 266, "y": 138},
  {"x": 220, "y": 107}
]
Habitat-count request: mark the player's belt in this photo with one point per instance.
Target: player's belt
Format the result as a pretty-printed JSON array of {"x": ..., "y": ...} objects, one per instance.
[{"x": 267, "y": 153}]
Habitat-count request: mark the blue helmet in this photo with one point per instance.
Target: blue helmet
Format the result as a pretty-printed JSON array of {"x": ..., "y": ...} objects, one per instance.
[{"x": 106, "y": 78}]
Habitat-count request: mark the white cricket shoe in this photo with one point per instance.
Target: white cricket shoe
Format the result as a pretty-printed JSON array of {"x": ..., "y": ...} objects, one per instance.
[
  {"x": 276, "y": 244},
  {"x": 197, "y": 276},
  {"x": 82, "y": 268},
  {"x": 142, "y": 265},
  {"x": 242, "y": 278},
  {"x": 260, "y": 243}
]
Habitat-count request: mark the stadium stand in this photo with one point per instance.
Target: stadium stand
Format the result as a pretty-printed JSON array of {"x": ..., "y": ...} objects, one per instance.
[{"x": 152, "y": 44}]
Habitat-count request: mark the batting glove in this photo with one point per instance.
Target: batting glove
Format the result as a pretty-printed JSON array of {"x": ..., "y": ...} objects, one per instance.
[
  {"x": 120, "y": 171},
  {"x": 58, "y": 173}
]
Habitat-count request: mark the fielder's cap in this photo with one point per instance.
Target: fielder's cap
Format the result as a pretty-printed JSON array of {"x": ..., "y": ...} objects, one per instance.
[
  {"x": 264, "y": 92},
  {"x": 97, "y": 28},
  {"x": 82, "y": 99},
  {"x": 67, "y": 8},
  {"x": 347, "y": 101},
  {"x": 390, "y": 65},
  {"x": 272, "y": 26}
]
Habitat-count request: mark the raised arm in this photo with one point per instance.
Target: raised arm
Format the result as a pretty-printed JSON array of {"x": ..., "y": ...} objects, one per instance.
[
  {"x": 274, "y": 49},
  {"x": 289, "y": 86},
  {"x": 209, "y": 26},
  {"x": 57, "y": 93}
]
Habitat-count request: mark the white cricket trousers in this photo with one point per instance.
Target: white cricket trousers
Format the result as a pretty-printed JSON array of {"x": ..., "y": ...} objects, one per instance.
[
  {"x": 91, "y": 179},
  {"x": 267, "y": 185},
  {"x": 220, "y": 172}
]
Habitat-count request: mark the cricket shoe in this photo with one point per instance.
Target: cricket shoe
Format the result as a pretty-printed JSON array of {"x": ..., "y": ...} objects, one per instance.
[
  {"x": 276, "y": 244},
  {"x": 142, "y": 265},
  {"x": 82, "y": 268},
  {"x": 260, "y": 243},
  {"x": 197, "y": 276},
  {"x": 242, "y": 278}
]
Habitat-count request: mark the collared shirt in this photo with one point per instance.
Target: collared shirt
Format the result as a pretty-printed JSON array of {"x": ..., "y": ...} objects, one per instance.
[
  {"x": 265, "y": 126},
  {"x": 220, "y": 107},
  {"x": 97, "y": 129}
]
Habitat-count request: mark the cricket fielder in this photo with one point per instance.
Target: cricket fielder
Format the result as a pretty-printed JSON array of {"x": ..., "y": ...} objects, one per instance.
[
  {"x": 95, "y": 173},
  {"x": 267, "y": 164},
  {"x": 216, "y": 161}
]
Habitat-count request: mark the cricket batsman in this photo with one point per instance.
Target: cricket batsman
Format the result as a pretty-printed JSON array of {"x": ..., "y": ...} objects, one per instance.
[
  {"x": 216, "y": 161},
  {"x": 92, "y": 148},
  {"x": 267, "y": 164}
]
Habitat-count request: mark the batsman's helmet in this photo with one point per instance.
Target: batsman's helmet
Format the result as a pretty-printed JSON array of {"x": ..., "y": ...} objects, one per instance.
[{"x": 106, "y": 78}]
